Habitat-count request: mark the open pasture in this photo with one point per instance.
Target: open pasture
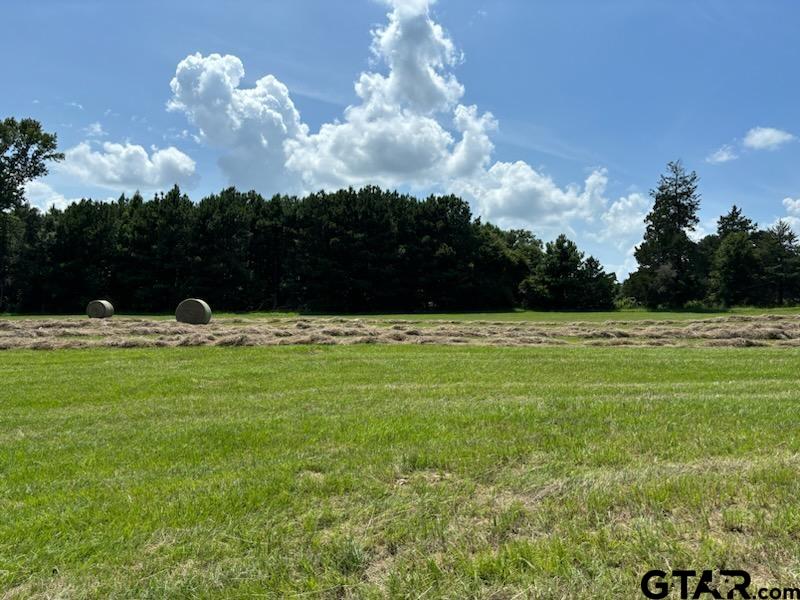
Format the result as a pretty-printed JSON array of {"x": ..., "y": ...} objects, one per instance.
[{"x": 394, "y": 470}]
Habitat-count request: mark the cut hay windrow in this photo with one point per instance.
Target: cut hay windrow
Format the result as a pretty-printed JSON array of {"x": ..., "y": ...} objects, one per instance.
[{"x": 125, "y": 332}]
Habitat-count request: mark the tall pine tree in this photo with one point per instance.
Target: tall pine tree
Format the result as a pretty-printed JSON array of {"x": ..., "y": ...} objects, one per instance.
[{"x": 667, "y": 271}]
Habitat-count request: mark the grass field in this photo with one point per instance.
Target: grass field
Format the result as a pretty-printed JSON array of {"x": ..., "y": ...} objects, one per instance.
[{"x": 404, "y": 471}]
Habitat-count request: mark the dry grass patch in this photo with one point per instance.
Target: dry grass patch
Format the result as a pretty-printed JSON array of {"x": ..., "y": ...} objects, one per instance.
[{"x": 733, "y": 331}]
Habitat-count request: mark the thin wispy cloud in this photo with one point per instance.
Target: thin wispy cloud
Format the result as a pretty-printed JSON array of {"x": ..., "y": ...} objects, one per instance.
[
  {"x": 95, "y": 130},
  {"x": 725, "y": 154}
]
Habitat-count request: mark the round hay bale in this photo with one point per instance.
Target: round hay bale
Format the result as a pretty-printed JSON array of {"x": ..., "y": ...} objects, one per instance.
[
  {"x": 100, "y": 309},
  {"x": 193, "y": 312}
]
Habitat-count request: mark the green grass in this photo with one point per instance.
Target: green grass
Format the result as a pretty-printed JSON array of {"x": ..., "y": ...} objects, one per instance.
[
  {"x": 514, "y": 315},
  {"x": 402, "y": 471},
  {"x": 564, "y": 317}
]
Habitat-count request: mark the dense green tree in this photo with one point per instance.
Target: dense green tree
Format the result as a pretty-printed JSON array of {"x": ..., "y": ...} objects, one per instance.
[
  {"x": 445, "y": 250},
  {"x": 706, "y": 249},
  {"x": 500, "y": 263},
  {"x": 525, "y": 245},
  {"x": 30, "y": 266},
  {"x": 356, "y": 250},
  {"x": 82, "y": 254},
  {"x": 667, "y": 257},
  {"x": 154, "y": 251},
  {"x": 734, "y": 270},
  {"x": 219, "y": 243},
  {"x": 599, "y": 287},
  {"x": 734, "y": 222},
  {"x": 25, "y": 149},
  {"x": 270, "y": 252},
  {"x": 11, "y": 234},
  {"x": 349, "y": 252},
  {"x": 778, "y": 255},
  {"x": 729, "y": 260},
  {"x": 562, "y": 279},
  {"x": 558, "y": 277}
]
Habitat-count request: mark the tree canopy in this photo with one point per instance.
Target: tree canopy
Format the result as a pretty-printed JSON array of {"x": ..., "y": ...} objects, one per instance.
[{"x": 25, "y": 149}]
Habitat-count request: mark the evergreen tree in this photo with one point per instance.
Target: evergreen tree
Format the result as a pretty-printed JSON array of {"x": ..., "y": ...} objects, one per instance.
[
  {"x": 734, "y": 222},
  {"x": 734, "y": 265},
  {"x": 667, "y": 257},
  {"x": 564, "y": 280},
  {"x": 779, "y": 259},
  {"x": 599, "y": 287},
  {"x": 734, "y": 269}
]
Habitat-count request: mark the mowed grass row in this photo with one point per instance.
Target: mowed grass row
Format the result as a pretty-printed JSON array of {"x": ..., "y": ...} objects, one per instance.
[{"x": 403, "y": 471}]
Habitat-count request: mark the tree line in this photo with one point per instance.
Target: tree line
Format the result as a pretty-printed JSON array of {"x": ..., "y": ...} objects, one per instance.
[
  {"x": 366, "y": 250},
  {"x": 739, "y": 264},
  {"x": 351, "y": 251}
]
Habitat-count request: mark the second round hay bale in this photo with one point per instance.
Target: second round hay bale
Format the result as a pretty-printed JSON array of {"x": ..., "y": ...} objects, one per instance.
[
  {"x": 100, "y": 309},
  {"x": 194, "y": 312}
]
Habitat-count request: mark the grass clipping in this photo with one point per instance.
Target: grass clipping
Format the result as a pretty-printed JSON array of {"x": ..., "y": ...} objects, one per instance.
[{"x": 733, "y": 331}]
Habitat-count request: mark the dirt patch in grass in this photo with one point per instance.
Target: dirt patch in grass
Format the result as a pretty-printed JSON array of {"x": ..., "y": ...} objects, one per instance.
[{"x": 731, "y": 331}]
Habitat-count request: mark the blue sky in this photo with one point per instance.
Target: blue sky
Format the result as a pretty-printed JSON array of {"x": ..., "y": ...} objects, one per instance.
[{"x": 588, "y": 101}]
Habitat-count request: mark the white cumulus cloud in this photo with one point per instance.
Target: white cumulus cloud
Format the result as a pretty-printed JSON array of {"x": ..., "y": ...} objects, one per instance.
[
  {"x": 250, "y": 125},
  {"x": 409, "y": 127},
  {"x": 44, "y": 197},
  {"x": 623, "y": 221},
  {"x": 792, "y": 217},
  {"x": 516, "y": 195},
  {"x": 418, "y": 53},
  {"x": 758, "y": 138},
  {"x": 766, "y": 138},
  {"x": 792, "y": 206},
  {"x": 128, "y": 166}
]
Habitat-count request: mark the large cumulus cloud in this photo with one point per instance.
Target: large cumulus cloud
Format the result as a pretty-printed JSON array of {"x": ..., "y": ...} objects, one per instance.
[
  {"x": 409, "y": 128},
  {"x": 250, "y": 125}
]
